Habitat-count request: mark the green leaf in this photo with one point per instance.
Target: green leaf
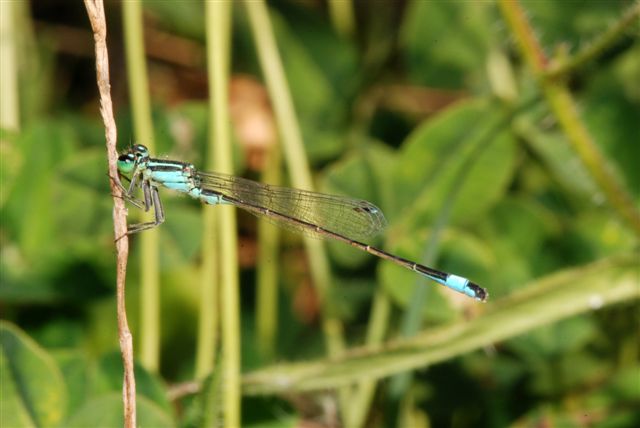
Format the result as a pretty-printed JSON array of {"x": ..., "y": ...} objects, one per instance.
[
  {"x": 32, "y": 190},
  {"x": 468, "y": 143},
  {"x": 593, "y": 234},
  {"x": 553, "y": 149},
  {"x": 611, "y": 112},
  {"x": 81, "y": 182},
  {"x": 517, "y": 231},
  {"x": 107, "y": 411},
  {"x": 437, "y": 57},
  {"x": 75, "y": 369},
  {"x": 624, "y": 384},
  {"x": 465, "y": 159},
  {"x": 57, "y": 212},
  {"x": 33, "y": 390}
]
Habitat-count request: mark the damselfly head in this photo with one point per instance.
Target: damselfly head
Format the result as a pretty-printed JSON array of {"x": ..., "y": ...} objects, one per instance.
[
  {"x": 126, "y": 163},
  {"x": 134, "y": 156}
]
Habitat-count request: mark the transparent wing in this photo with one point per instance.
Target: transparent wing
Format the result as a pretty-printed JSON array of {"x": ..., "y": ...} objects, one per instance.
[{"x": 354, "y": 218}]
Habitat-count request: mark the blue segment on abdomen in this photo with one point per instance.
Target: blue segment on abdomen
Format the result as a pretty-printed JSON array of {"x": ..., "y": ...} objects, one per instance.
[
  {"x": 180, "y": 186},
  {"x": 175, "y": 180},
  {"x": 459, "y": 283}
]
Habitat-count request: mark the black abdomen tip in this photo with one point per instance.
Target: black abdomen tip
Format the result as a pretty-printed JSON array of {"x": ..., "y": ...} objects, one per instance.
[{"x": 480, "y": 293}]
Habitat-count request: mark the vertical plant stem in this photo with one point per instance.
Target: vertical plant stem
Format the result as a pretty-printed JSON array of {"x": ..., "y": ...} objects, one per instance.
[
  {"x": 341, "y": 12},
  {"x": 297, "y": 164},
  {"x": 9, "y": 108},
  {"x": 209, "y": 311},
  {"x": 268, "y": 243},
  {"x": 95, "y": 10},
  {"x": 363, "y": 395},
  {"x": 143, "y": 128},
  {"x": 295, "y": 157},
  {"x": 218, "y": 24},
  {"x": 563, "y": 107}
]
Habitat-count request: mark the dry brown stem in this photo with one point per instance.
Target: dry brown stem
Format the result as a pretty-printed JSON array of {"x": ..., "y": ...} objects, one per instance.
[{"x": 95, "y": 10}]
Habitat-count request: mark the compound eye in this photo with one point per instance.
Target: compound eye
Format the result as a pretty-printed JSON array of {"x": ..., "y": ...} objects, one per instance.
[
  {"x": 127, "y": 157},
  {"x": 126, "y": 163},
  {"x": 140, "y": 149}
]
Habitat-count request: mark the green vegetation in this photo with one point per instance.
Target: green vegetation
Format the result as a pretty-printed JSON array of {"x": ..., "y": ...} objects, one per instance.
[{"x": 499, "y": 139}]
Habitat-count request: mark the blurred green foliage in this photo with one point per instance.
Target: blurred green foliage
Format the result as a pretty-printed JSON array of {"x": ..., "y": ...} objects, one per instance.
[{"x": 405, "y": 114}]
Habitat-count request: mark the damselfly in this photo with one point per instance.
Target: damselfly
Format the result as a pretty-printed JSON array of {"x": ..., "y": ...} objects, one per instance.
[{"x": 311, "y": 213}]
